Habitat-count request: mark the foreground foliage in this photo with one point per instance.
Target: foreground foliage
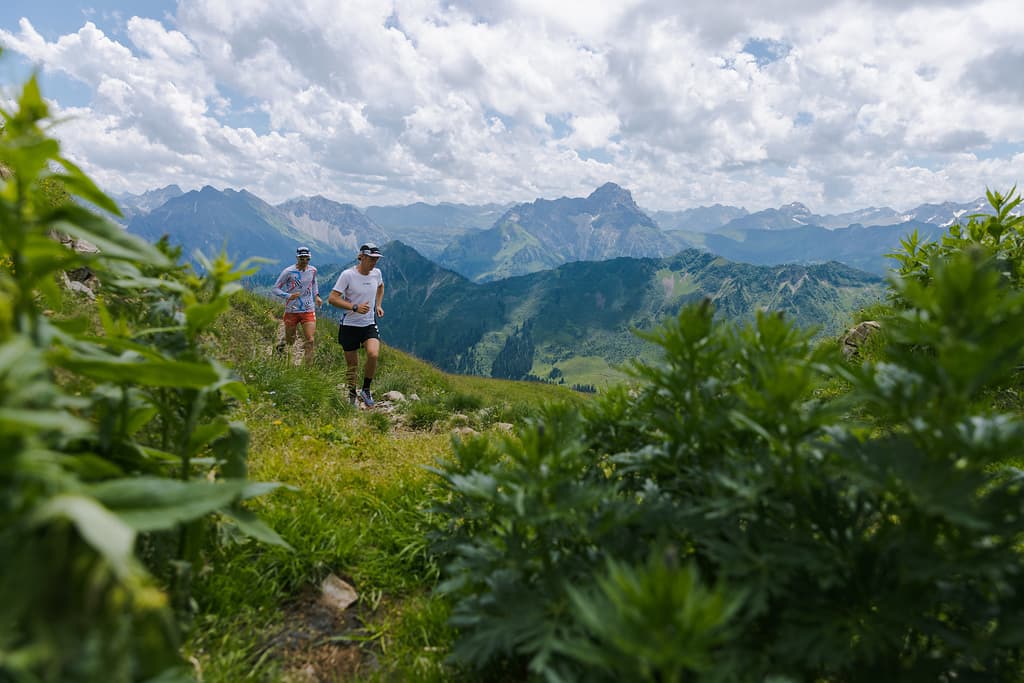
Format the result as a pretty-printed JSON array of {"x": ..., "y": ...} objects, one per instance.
[
  {"x": 115, "y": 443},
  {"x": 720, "y": 523}
]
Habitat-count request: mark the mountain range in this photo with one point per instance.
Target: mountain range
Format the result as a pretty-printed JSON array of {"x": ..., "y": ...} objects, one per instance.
[
  {"x": 554, "y": 288},
  {"x": 699, "y": 219},
  {"x": 342, "y": 227},
  {"x": 547, "y": 233},
  {"x": 238, "y": 222},
  {"x": 429, "y": 228},
  {"x": 491, "y": 242},
  {"x": 796, "y": 215},
  {"x": 856, "y": 246},
  {"x": 575, "y": 321}
]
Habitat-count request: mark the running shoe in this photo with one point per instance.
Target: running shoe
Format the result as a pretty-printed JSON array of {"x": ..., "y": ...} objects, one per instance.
[
  {"x": 367, "y": 398},
  {"x": 353, "y": 400}
]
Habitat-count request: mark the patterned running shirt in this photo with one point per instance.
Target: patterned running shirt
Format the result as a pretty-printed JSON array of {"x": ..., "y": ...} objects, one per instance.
[{"x": 294, "y": 280}]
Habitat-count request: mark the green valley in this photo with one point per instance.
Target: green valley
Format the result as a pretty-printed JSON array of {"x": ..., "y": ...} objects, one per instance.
[{"x": 579, "y": 319}]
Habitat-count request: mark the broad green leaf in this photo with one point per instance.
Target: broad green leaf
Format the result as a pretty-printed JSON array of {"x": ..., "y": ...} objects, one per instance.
[
  {"x": 136, "y": 281},
  {"x": 79, "y": 184},
  {"x": 43, "y": 254},
  {"x": 112, "y": 342},
  {"x": 152, "y": 503},
  {"x": 161, "y": 455},
  {"x": 235, "y": 389},
  {"x": 201, "y": 316},
  {"x": 76, "y": 327},
  {"x": 139, "y": 417},
  {"x": 253, "y": 526},
  {"x": 21, "y": 364},
  {"x": 233, "y": 450},
  {"x": 228, "y": 382},
  {"x": 204, "y": 434},
  {"x": 102, "y": 529},
  {"x": 152, "y": 373},
  {"x": 27, "y": 421},
  {"x": 31, "y": 106},
  {"x": 113, "y": 242},
  {"x": 255, "y": 489},
  {"x": 89, "y": 466}
]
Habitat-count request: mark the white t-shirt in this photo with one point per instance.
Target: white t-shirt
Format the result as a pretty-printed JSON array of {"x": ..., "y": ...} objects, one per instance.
[{"x": 359, "y": 289}]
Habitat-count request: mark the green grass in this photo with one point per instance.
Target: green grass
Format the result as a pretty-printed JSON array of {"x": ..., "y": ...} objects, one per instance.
[
  {"x": 357, "y": 509},
  {"x": 583, "y": 370},
  {"x": 356, "y": 506}
]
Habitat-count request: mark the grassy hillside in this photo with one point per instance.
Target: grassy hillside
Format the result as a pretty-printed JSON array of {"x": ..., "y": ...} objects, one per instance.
[{"x": 357, "y": 510}]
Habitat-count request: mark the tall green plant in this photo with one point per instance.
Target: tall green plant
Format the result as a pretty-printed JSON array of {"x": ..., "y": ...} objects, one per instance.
[
  {"x": 140, "y": 449},
  {"x": 874, "y": 537},
  {"x": 1002, "y": 232}
]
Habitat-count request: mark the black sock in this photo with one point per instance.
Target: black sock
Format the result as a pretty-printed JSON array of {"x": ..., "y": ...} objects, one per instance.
[{"x": 366, "y": 382}]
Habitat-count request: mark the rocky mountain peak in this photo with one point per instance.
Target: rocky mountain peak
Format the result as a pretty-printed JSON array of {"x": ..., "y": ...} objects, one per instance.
[
  {"x": 795, "y": 209},
  {"x": 613, "y": 195}
]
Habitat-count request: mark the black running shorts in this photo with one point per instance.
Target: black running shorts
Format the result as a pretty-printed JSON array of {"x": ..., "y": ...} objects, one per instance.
[{"x": 351, "y": 337}]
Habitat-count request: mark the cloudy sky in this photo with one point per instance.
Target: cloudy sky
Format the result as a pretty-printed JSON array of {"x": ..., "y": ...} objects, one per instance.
[{"x": 839, "y": 105}]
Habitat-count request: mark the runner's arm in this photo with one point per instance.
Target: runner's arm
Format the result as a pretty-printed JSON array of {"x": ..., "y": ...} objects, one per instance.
[
  {"x": 281, "y": 279},
  {"x": 336, "y": 299}
]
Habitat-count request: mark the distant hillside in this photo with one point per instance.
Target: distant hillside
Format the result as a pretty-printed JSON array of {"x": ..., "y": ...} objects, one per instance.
[
  {"x": 544, "y": 234},
  {"x": 859, "y": 247},
  {"x": 209, "y": 220},
  {"x": 576, "y": 319}
]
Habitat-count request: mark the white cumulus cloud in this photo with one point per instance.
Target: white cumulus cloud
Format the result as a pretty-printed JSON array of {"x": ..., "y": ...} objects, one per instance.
[{"x": 837, "y": 104}]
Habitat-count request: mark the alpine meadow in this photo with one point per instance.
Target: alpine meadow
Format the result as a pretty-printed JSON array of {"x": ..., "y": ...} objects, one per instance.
[{"x": 741, "y": 501}]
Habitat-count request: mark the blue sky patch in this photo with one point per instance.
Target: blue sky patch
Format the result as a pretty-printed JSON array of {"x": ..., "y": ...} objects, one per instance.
[
  {"x": 559, "y": 128},
  {"x": 54, "y": 19},
  {"x": 601, "y": 154},
  {"x": 1000, "y": 150},
  {"x": 55, "y": 85},
  {"x": 507, "y": 121},
  {"x": 765, "y": 50}
]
